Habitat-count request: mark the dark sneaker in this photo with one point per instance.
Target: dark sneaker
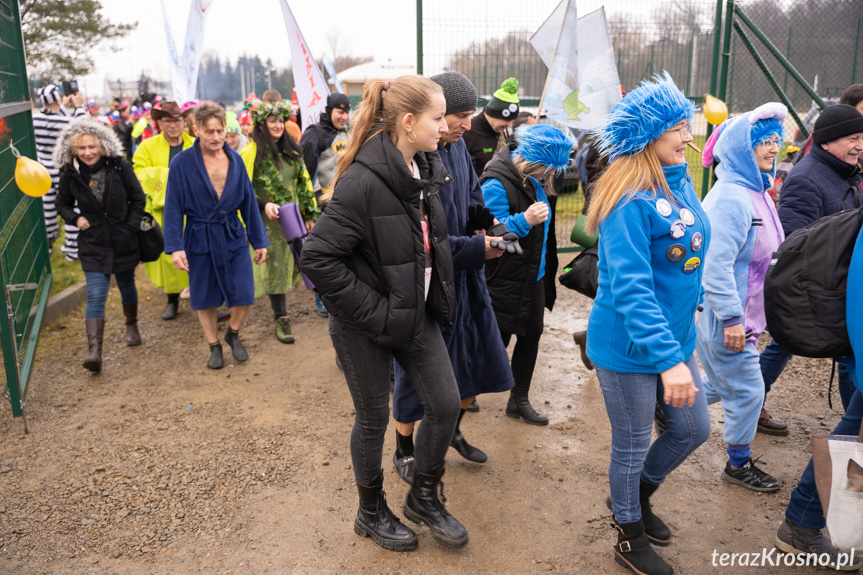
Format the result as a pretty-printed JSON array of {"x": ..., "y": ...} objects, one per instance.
[
  {"x": 799, "y": 540},
  {"x": 319, "y": 305},
  {"x": 749, "y": 476},
  {"x": 405, "y": 466},
  {"x": 473, "y": 407},
  {"x": 217, "y": 361},
  {"x": 283, "y": 330},
  {"x": 237, "y": 347}
]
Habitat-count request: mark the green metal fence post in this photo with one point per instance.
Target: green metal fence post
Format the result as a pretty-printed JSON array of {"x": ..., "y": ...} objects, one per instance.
[
  {"x": 714, "y": 69},
  {"x": 788, "y": 55},
  {"x": 420, "y": 37},
  {"x": 769, "y": 75},
  {"x": 726, "y": 50},
  {"x": 856, "y": 49},
  {"x": 778, "y": 55}
]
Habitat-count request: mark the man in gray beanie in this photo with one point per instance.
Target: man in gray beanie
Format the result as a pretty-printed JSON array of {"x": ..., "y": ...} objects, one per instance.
[{"x": 475, "y": 348}]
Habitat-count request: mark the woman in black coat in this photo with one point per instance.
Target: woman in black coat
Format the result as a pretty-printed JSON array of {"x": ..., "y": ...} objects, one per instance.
[
  {"x": 381, "y": 258},
  {"x": 99, "y": 193}
]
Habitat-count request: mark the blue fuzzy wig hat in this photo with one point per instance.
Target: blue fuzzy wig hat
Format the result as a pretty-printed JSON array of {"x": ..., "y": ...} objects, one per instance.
[
  {"x": 764, "y": 129},
  {"x": 643, "y": 115},
  {"x": 544, "y": 144}
]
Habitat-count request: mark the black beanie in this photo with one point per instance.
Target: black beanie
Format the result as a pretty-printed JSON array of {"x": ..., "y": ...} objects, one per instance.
[
  {"x": 458, "y": 91},
  {"x": 338, "y": 100},
  {"x": 837, "y": 122}
]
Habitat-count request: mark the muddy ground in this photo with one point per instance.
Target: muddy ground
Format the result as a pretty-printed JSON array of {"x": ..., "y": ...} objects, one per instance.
[{"x": 159, "y": 465}]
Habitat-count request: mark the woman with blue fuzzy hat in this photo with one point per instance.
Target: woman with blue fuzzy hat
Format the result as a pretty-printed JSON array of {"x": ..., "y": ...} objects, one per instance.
[
  {"x": 516, "y": 185},
  {"x": 653, "y": 235},
  {"x": 746, "y": 231}
]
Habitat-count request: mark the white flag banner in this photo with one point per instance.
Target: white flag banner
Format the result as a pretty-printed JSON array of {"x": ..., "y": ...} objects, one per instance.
[
  {"x": 312, "y": 89},
  {"x": 184, "y": 69},
  {"x": 583, "y": 84}
]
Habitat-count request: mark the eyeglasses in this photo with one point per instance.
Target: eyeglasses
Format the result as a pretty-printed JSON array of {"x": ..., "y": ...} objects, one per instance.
[
  {"x": 769, "y": 143},
  {"x": 683, "y": 131}
]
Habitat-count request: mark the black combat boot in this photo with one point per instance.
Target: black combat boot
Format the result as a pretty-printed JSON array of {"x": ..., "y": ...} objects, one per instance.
[
  {"x": 375, "y": 520},
  {"x": 423, "y": 506}
]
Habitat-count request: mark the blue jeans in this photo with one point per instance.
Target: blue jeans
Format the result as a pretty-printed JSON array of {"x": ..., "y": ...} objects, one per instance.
[
  {"x": 367, "y": 366},
  {"x": 804, "y": 507},
  {"x": 97, "y": 291},
  {"x": 630, "y": 399},
  {"x": 774, "y": 359}
]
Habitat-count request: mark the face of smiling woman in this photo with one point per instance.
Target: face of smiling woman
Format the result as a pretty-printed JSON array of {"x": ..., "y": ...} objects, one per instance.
[{"x": 670, "y": 147}]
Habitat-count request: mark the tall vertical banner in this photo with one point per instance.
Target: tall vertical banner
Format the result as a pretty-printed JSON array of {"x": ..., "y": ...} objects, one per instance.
[
  {"x": 331, "y": 70},
  {"x": 184, "y": 70},
  {"x": 583, "y": 84},
  {"x": 312, "y": 89}
]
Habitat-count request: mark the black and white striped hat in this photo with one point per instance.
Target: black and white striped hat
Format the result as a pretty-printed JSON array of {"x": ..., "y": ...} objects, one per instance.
[{"x": 49, "y": 94}]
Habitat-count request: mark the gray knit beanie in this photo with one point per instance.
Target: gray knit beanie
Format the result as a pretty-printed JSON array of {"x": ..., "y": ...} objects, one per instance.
[{"x": 458, "y": 91}]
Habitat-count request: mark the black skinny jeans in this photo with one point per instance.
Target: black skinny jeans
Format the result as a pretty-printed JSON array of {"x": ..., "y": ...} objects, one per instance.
[
  {"x": 527, "y": 345},
  {"x": 367, "y": 372}
]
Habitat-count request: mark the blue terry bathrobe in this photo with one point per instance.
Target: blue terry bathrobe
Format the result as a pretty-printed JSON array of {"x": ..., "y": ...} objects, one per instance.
[
  {"x": 215, "y": 241},
  {"x": 477, "y": 353}
]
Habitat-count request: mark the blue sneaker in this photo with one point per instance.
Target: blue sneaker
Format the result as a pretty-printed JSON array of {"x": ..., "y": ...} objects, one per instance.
[{"x": 319, "y": 305}]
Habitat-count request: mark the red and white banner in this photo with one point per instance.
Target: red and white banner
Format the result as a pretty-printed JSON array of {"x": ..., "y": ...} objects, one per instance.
[{"x": 312, "y": 89}]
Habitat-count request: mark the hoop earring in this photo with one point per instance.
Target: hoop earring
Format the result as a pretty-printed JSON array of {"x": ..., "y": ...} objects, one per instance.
[{"x": 409, "y": 139}]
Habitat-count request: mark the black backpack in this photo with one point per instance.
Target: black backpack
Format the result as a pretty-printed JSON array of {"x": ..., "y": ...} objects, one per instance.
[{"x": 804, "y": 291}]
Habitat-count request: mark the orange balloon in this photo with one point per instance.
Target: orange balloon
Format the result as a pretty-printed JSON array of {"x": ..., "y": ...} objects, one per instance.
[
  {"x": 715, "y": 110},
  {"x": 32, "y": 177}
]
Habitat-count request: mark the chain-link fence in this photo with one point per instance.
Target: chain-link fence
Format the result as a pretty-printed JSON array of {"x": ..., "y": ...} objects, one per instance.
[{"x": 488, "y": 41}]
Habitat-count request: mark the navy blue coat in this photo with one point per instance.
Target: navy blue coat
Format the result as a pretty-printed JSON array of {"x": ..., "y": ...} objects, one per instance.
[
  {"x": 816, "y": 187},
  {"x": 214, "y": 239},
  {"x": 477, "y": 353}
]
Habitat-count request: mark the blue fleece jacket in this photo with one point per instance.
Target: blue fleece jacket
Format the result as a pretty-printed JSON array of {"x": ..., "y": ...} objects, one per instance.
[
  {"x": 496, "y": 201},
  {"x": 745, "y": 232},
  {"x": 643, "y": 318}
]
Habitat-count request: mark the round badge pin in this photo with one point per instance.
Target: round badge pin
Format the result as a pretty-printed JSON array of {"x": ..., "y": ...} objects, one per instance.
[
  {"x": 687, "y": 217},
  {"x": 678, "y": 229},
  {"x": 663, "y": 207},
  {"x": 695, "y": 244},
  {"x": 675, "y": 252},
  {"x": 691, "y": 265}
]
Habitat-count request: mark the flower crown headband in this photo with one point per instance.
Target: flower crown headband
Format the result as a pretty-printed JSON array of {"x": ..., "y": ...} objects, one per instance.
[{"x": 263, "y": 110}]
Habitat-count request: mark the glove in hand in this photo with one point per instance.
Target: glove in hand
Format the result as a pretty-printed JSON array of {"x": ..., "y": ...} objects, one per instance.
[
  {"x": 509, "y": 242},
  {"x": 479, "y": 217}
]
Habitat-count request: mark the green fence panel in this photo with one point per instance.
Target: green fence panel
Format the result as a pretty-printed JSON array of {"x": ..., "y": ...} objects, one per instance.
[{"x": 25, "y": 270}]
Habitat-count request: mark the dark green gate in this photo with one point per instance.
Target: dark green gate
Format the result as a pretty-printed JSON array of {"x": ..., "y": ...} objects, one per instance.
[{"x": 25, "y": 270}]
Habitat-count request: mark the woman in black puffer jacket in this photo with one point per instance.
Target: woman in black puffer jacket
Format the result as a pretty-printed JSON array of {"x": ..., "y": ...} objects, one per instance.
[
  {"x": 99, "y": 193},
  {"x": 380, "y": 257}
]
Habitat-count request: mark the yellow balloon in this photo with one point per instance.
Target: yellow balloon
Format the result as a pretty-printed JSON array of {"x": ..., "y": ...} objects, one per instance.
[
  {"x": 32, "y": 177},
  {"x": 715, "y": 110}
]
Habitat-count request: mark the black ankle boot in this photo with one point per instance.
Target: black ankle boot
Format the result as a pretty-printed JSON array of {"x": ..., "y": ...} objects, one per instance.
[
  {"x": 656, "y": 529},
  {"x": 519, "y": 406},
  {"x": 465, "y": 449},
  {"x": 423, "y": 506},
  {"x": 171, "y": 309},
  {"x": 634, "y": 551},
  {"x": 375, "y": 520}
]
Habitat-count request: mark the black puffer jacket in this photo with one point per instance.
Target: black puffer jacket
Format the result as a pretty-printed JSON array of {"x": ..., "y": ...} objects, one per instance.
[
  {"x": 511, "y": 279},
  {"x": 110, "y": 244},
  {"x": 365, "y": 254}
]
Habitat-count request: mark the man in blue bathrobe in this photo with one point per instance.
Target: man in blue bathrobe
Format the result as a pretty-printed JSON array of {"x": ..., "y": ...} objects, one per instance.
[{"x": 210, "y": 188}]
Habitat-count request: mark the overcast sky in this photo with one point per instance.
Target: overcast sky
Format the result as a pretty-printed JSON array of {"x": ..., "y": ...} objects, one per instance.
[{"x": 236, "y": 27}]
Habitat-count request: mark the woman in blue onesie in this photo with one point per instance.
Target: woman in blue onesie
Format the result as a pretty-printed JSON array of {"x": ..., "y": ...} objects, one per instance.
[
  {"x": 746, "y": 232},
  {"x": 653, "y": 236}
]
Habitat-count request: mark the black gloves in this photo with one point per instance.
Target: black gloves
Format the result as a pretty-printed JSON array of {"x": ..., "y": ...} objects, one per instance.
[
  {"x": 509, "y": 242},
  {"x": 479, "y": 217}
]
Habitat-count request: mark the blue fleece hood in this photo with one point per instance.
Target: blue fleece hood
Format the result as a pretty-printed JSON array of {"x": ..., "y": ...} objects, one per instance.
[{"x": 734, "y": 147}]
